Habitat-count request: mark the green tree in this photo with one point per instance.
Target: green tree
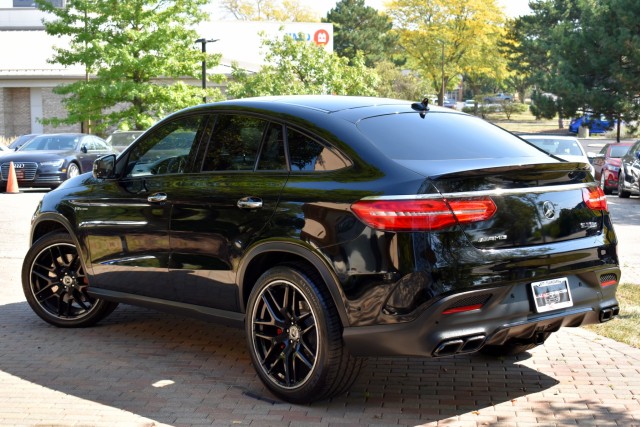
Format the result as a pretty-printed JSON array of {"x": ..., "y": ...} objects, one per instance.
[
  {"x": 400, "y": 84},
  {"x": 361, "y": 28},
  {"x": 136, "y": 55},
  {"x": 298, "y": 67},
  {"x": 269, "y": 10},
  {"x": 444, "y": 39}
]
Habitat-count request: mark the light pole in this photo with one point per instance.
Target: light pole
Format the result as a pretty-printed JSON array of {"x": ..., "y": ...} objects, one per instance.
[
  {"x": 443, "y": 87},
  {"x": 204, "y": 42}
]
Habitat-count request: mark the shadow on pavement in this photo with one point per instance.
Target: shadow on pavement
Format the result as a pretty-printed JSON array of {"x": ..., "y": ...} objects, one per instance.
[{"x": 167, "y": 368}]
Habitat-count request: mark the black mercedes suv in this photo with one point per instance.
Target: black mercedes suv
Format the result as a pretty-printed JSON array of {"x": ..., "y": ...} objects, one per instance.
[{"x": 331, "y": 228}]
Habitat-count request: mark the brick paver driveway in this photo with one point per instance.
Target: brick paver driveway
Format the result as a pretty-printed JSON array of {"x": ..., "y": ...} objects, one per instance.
[{"x": 140, "y": 367}]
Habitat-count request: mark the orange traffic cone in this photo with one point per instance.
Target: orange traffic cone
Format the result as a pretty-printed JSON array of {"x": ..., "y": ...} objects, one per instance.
[{"x": 12, "y": 181}]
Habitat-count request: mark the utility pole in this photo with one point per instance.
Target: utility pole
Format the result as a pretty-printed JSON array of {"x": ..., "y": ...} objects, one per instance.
[{"x": 204, "y": 42}]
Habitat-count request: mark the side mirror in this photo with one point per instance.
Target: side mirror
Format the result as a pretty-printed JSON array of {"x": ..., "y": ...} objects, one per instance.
[
  {"x": 104, "y": 167},
  {"x": 84, "y": 149}
]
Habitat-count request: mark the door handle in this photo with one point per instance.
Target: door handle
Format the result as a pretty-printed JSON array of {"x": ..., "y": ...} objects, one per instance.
[
  {"x": 250, "y": 203},
  {"x": 157, "y": 197}
]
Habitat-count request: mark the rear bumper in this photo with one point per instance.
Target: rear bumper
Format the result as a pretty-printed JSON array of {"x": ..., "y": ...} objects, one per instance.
[{"x": 508, "y": 314}]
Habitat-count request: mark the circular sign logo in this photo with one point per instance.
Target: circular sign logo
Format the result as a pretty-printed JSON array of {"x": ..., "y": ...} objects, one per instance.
[{"x": 321, "y": 37}]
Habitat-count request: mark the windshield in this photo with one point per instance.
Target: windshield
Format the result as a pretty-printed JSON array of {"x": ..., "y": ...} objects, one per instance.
[
  {"x": 619, "y": 151},
  {"x": 51, "y": 142}
]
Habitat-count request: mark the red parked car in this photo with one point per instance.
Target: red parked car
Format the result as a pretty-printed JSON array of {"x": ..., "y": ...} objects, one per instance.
[{"x": 607, "y": 165}]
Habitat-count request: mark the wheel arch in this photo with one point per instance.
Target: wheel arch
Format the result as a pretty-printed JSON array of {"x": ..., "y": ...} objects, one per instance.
[
  {"x": 266, "y": 255},
  {"x": 77, "y": 163},
  {"x": 49, "y": 222}
]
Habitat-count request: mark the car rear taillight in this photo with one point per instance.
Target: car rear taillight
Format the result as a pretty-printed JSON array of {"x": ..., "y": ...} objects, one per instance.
[
  {"x": 422, "y": 215},
  {"x": 595, "y": 199}
]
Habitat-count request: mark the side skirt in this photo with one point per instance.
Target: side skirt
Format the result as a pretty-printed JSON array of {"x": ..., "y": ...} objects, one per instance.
[{"x": 227, "y": 318}]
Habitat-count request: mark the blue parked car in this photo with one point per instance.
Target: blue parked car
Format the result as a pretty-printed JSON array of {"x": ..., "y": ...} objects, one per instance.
[{"x": 596, "y": 125}]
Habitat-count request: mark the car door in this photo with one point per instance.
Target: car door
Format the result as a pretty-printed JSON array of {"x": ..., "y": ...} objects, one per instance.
[
  {"x": 126, "y": 221},
  {"x": 225, "y": 208}
]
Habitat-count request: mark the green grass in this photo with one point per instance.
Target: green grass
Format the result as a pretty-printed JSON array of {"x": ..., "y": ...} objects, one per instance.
[{"x": 626, "y": 327}]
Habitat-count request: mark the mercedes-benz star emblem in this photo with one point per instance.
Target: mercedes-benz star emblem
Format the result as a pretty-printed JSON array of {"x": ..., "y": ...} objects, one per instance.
[{"x": 548, "y": 209}]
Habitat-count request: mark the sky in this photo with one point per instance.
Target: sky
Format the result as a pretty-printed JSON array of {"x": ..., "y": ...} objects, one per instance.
[{"x": 512, "y": 8}]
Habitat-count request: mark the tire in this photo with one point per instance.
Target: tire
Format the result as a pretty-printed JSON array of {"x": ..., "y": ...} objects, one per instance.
[
  {"x": 72, "y": 170},
  {"x": 294, "y": 337},
  {"x": 55, "y": 285},
  {"x": 607, "y": 191},
  {"x": 622, "y": 193}
]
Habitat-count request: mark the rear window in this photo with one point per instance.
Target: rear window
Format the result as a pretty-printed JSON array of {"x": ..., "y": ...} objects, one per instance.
[{"x": 442, "y": 136}]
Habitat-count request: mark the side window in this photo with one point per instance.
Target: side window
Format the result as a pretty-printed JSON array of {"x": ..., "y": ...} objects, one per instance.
[
  {"x": 306, "y": 154},
  {"x": 272, "y": 156},
  {"x": 88, "y": 143},
  {"x": 100, "y": 145},
  {"x": 166, "y": 151},
  {"x": 234, "y": 143}
]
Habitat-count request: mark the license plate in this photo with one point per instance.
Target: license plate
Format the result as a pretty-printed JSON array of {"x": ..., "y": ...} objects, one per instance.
[{"x": 551, "y": 294}]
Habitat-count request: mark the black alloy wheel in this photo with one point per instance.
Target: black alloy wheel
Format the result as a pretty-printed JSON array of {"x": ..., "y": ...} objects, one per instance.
[
  {"x": 295, "y": 337},
  {"x": 55, "y": 285}
]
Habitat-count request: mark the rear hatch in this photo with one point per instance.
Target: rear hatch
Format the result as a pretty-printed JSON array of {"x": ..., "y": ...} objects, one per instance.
[
  {"x": 535, "y": 204},
  {"x": 539, "y": 199}
]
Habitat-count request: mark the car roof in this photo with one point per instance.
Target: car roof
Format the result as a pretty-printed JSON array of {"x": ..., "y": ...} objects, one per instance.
[{"x": 350, "y": 108}]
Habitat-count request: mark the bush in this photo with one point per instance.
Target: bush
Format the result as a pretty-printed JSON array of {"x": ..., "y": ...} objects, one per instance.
[{"x": 509, "y": 108}]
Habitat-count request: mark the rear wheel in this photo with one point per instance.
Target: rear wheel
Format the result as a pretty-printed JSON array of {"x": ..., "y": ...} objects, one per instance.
[
  {"x": 295, "y": 337},
  {"x": 55, "y": 285},
  {"x": 622, "y": 193}
]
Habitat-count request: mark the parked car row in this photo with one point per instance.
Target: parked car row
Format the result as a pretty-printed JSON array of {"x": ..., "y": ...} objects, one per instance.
[
  {"x": 47, "y": 160},
  {"x": 629, "y": 174},
  {"x": 607, "y": 165}
]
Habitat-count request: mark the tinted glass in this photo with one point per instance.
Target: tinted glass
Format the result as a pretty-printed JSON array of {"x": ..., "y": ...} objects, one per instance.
[
  {"x": 272, "y": 156},
  {"x": 442, "y": 136},
  {"x": 167, "y": 150},
  {"x": 306, "y": 154},
  {"x": 234, "y": 144}
]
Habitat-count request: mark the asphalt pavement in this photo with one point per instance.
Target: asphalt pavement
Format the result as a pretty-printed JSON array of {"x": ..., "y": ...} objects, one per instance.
[{"x": 143, "y": 368}]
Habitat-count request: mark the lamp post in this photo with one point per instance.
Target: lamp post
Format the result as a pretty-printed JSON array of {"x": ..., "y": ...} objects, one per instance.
[
  {"x": 442, "y": 70},
  {"x": 204, "y": 42}
]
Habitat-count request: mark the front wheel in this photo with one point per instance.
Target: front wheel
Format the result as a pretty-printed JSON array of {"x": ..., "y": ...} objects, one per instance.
[
  {"x": 294, "y": 336},
  {"x": 72, "y": 170},
  {"x": 55, "y": 285}
]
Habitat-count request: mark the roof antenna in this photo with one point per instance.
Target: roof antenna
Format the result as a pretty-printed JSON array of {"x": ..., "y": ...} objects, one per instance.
[{"x": 422, "y": 107}]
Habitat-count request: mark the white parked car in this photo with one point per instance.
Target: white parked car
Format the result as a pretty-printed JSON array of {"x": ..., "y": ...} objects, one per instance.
[{"x": 565, "y": 147}]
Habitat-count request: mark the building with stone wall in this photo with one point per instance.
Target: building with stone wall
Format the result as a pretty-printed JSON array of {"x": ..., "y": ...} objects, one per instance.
[{"x": 27, "y": 79}]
